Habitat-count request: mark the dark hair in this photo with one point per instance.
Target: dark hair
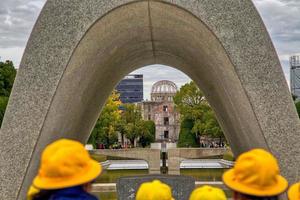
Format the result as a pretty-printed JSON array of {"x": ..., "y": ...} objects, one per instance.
[{"x": 259, "y": 198}]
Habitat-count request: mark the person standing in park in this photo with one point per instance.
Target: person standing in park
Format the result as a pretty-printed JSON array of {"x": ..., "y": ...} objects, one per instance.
[
  {"x": 208, "y": 193},
  {"x": 255, "y": 176},
  {"x": 66, "y": 172}
]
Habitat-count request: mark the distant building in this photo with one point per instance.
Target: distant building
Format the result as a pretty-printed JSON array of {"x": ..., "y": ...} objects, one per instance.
[
  {"x": 161, "y": 110},
  {"x": 295, "y": 75},
  {"x": 131, "y": 88}
]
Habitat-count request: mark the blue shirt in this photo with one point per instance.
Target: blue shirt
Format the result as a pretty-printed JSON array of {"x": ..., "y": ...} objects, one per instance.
[{"x": 73, "y": 193}]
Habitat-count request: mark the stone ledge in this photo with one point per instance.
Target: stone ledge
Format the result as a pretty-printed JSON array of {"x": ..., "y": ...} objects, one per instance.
[{"x": 111, "y": 187}]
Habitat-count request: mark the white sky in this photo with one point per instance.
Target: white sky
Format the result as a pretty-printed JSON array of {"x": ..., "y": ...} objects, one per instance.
[{"x": 281, "y": 17}]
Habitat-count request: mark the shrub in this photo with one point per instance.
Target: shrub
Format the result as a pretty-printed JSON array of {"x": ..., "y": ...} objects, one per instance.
[{"x": 186, "y": 137}]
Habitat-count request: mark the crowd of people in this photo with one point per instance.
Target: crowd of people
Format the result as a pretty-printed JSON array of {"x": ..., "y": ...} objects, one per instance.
[
  {"x": 212, "y": 144},
  {"x": 67, "y": 172}
]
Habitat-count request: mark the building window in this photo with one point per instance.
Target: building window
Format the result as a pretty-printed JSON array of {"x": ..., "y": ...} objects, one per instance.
[
  {"x": 166, "y": 134},
  {"x": 165, "y": 108},
  {"x": 149, "y": 117},
  {"x": 166, "y": 120}
]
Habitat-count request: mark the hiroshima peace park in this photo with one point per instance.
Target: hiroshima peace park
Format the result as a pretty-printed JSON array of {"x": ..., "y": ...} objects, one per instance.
[{"x": 149, "y": 100}]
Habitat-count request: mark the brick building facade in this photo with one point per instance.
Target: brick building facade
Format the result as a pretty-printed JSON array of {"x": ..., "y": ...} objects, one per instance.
[{"x": 161, "y": 110}]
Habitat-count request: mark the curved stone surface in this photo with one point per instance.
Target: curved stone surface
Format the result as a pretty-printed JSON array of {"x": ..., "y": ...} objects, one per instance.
[{"x": 80, "y": 49}]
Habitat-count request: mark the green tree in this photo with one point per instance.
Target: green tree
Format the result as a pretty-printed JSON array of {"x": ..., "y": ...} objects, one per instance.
[
  {"x": 121, "y": 127},
  {"x": 186, "y": 137},
  {"x": 131, "y": 113},
  {"x": 105, "y": 131},
  {"x": 147, "y": 134},
  {"x": 212, "y": 127},
  {"x": 298, "y": 108},
  {"x": 134, "y": 127},
  {"x": 3, "y": 104},
  {"x": 193, "y": 106},
  {"x": 7, "y": 77},
  {"x": 131, "y": 132},
  {"x": 132, "y": 118},
  {"x": 190, "y": 101}
]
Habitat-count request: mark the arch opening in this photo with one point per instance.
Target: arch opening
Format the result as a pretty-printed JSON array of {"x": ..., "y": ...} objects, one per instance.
[
  {"x": 129, "y": 42},
  {"x": 123, "y": 41}
]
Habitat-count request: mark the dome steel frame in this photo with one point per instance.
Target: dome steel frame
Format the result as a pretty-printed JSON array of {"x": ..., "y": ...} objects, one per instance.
[{"x": 164, "y": 86}]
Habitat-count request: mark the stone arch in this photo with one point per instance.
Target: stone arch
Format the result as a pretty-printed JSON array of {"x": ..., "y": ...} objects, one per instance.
[{"x": 78, "y": 52}]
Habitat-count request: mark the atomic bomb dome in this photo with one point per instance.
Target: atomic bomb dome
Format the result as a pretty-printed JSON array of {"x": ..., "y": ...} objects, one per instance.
[
  {"x": 164, "y": 86},
  {"x": 161, "y": 110},
  {"x": 163, "y": 91}
]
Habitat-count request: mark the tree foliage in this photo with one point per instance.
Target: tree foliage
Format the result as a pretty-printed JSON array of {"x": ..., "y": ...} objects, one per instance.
[
  {"x": 132, "y": 118},
  {"x": 128, "y": 122},
  {"x": 147, "y": 134},
  {"x": 7, "y": 77},
  {"x": 186, "y": 137},
  {"x": 105, "y": 131},
  {"x": 190, "y": 101},
  {"x": 131, "y": 113},
  {"x": 193, "y": 106},
  {"x": 135, "y": 127},
  {"x": 3, "y": 104},
  {"x": 297, "y": 104}
]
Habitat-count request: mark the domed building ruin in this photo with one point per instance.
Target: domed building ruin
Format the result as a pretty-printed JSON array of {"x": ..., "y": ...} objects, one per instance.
[{"x": 161, "y": 110}]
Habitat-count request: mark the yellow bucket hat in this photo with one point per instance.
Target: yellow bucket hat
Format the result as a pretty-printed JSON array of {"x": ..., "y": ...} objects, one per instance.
[
  {"x": 256, "y": 173},
  {"x": 294, "y": 192},
  {"x": 208, "y": 193},
  {"x": 154, "y": 190},
  {"x": 65, "y": 163},
  {"x": 32, "y": 192}
]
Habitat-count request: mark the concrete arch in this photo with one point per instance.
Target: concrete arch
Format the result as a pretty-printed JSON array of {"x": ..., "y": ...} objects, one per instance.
[{"x": 79, "y": 50}]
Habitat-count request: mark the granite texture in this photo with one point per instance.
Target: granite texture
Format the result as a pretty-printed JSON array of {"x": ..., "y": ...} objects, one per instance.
[
  {"x": 80, "y": 49},
  {"x": 182, "y": 186}
]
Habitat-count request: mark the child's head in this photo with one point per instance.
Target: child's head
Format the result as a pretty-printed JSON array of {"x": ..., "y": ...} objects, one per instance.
[
  {"x": 153, "y": 191},
  {"x": 207, "y": 193},
  {"x": 65, "y": 163},
  {"x": 256, "y": 174},
  {"x": 294, "y": 192}
]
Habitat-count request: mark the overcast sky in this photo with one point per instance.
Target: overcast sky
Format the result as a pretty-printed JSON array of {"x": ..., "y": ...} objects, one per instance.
[{"x": 281, "y": 17}]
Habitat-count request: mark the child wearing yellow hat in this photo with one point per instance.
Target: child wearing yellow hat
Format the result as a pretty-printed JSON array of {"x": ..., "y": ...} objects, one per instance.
[
  {"x": 208, "y": 193},
  {"x": 255, "y": 176},
  {"x": 154, "y": 190},
  {"x": 66, "y": 172},
  {"x": 294, "y": 192}
]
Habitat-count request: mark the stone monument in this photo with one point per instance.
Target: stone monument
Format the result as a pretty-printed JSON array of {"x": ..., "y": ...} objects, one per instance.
[
  {"x": 78, "y": 51},
  {"x": 182, "y": 186}
]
